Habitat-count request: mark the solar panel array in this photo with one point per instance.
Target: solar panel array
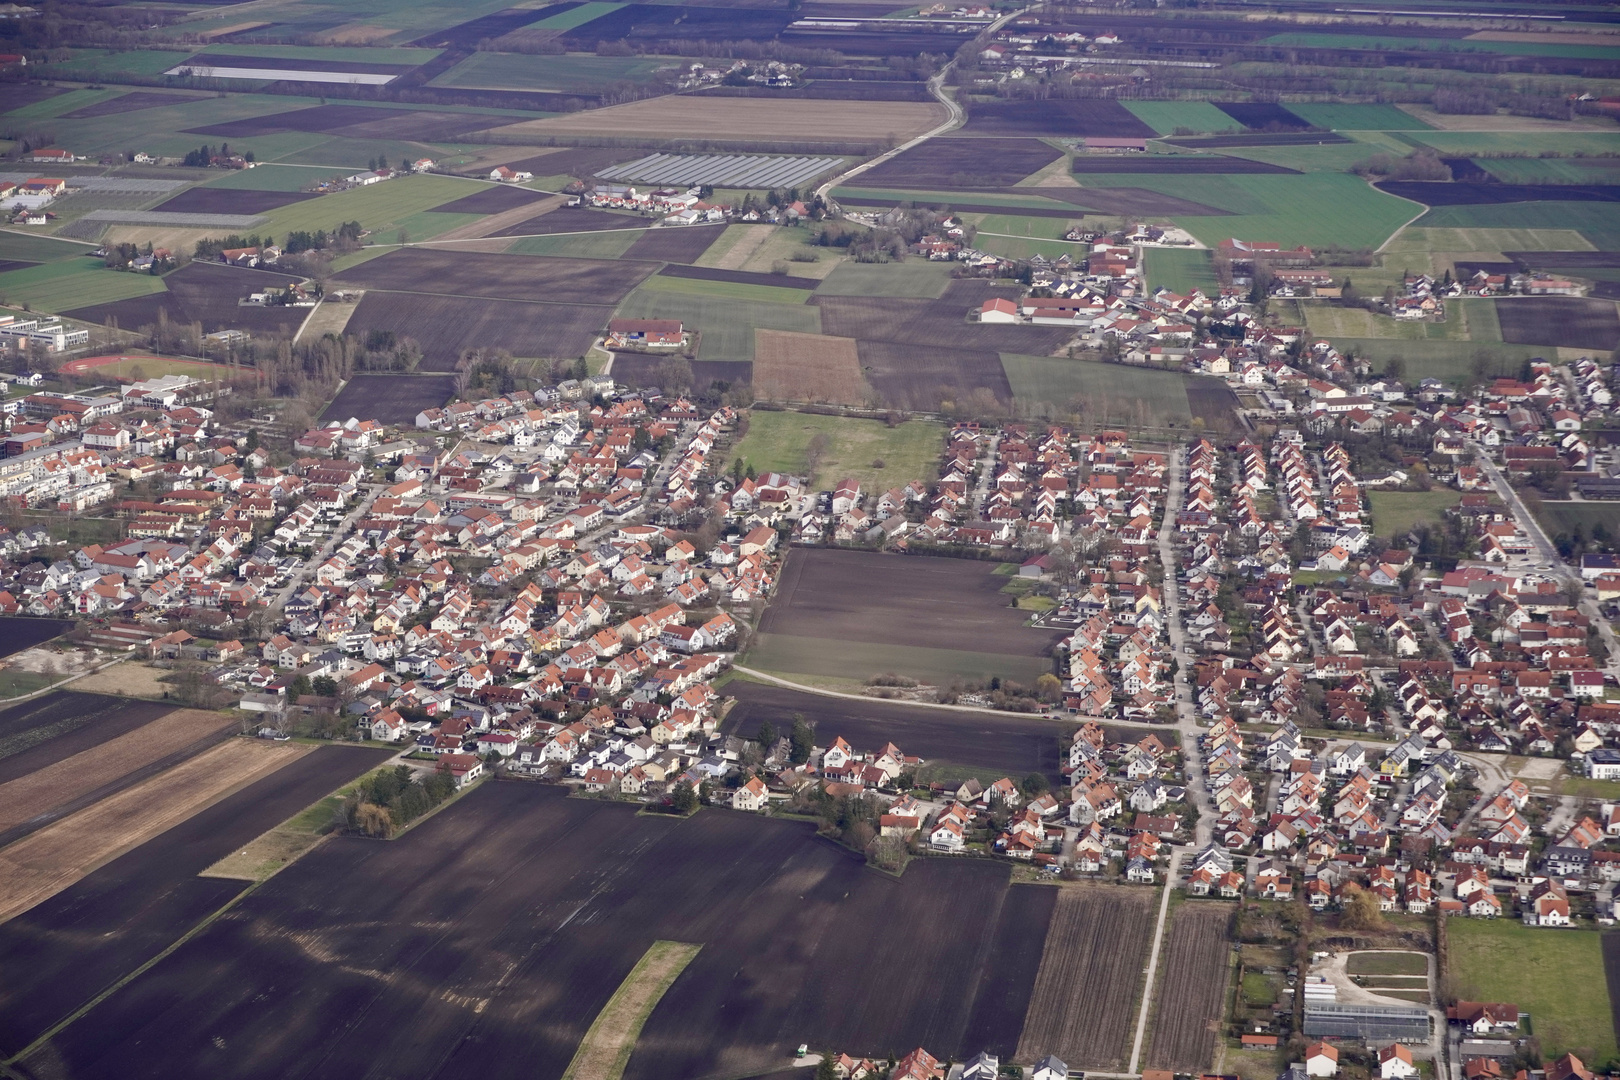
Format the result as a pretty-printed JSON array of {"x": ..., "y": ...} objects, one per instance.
[{"x": 723, "y": 170}]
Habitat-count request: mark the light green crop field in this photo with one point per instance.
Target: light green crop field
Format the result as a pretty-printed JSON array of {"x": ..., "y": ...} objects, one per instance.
[
  {"x": 1104, "y": 393},
  {"x": 1318, "y": 209},
  {"x": 1181, "y": 269},
  {"x": 569, "y": 74},
  {"x": 1028, "y": 228},
  {"x": 1466, "y": 320},
  {"x": 1388, "y": 963},
  {"x": 1357, "y": 117},
  {"x": 568, "y": 20},
  {"x": 1331, "y": 157},
  {"x": 609, "y": 244},
  {"x": 62, "y": 103},
  {"x": 346, "y": 153},
  {"x": 1016, "y": 247},
  {"x": 726, "y": 290},
  {"x": 1167, "y": 117},
  {"x": 96, "y": 63},
  {"x": 383, "y": 57},
  {"x": 1395, "y": 512},
  {"x": 276, "y": 178},
  {"x": 1554, "y": 975},
  {"x": 780, "y": 442},
  {"x": 916, "y": 278},
  {"x": 1486, "y": 241},
  {"x": 1369, "y": 41},
  {"x": 727, "y": 326},
  {"x": 379, "y": 207},
  {"x": 1553, "y": 170},
  {"x": 1470, "y": 143},
  {"x": 426, "y": 225},
  {"x": 33, "y": 247},
  {"x": 1598, "y": 222},
  {"x": 154, "y": 129},
  {"x": 1453, "y": 362},
  {"x": 74, "y": 283}
]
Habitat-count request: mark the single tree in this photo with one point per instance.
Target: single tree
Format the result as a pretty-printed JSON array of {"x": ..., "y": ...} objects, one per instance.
[{"x": 684, "y": 799}]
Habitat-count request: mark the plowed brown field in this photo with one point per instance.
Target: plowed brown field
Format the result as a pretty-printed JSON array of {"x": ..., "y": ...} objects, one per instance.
[{"x": 1192, "y": 996}]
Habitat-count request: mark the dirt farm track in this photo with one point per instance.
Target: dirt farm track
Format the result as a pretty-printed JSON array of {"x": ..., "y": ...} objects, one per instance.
[{"x": 497, "y": 930}]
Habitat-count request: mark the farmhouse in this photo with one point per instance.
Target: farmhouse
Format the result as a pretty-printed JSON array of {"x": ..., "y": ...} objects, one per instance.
[{"x": 645, "y": 334}]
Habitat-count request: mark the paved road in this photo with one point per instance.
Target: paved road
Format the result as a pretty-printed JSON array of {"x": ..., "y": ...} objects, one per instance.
[
  {"x": 1186, "y": 713},
  {"x": 339, "y": 534}
]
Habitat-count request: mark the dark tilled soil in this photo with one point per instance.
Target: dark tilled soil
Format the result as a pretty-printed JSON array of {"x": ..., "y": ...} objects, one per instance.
[
  {"x": 393, "y": 399},
  {"x": 1440, "y": 193},
  {"x": 495, "y": 199},
  {"x": 468, "y": 34},
  {"x": 1262, "y": 138},
  {"x": 684, "y": 244},
  {"x": 446, "y": 325},
  {"x": 1015, "y": 745},
  {"x": 1570, "y": 322},
  {"x": 499, "y": 277},
  {"x": 641, "y": 370},
  {"x": 1262, "y": 116},
  {"x": 921, "y": 377},
  {"x": 277, "y": 63},
  {"x": 1171, "y": 165},
  {"x": 60, "y": 954},
  {"x": 20, "y": 632},
  {"x": 572, "y": 219},
  {"x": 496, "y": 931},
  {"x": 581, "y": 161},
  {"x": 52, "y": 728},
  {"x": 962, "y": 163},
  {"x": 207, "y": 200},
  {"x": 739, "y": 277},
  {"x": 940, "y": 323},
  {"x": 654, "y": 22},
  {"x": 1192, "y": 996},
  {"x": 1564, "y": 260},
  {"x": 1611, "y": 973},
  {"x": 356, "y": 120},
  {"x": 206, "y": 293},
  {"x": 1097, "y": 117}
]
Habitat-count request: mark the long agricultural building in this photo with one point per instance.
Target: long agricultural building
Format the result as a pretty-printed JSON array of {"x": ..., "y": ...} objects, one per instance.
[
  {"x": 723, "y": 170},
  {"x": 1373, "y": 1023}
]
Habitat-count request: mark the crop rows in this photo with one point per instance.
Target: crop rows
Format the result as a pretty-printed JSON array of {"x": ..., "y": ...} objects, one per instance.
[
  {"x": 723, "y": 170},
  {"x": 1192, "y": 992}
]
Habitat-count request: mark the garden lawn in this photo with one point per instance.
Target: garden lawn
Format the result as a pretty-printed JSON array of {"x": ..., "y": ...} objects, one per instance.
[
  {"x": 1555, "y": 975},
  {"x": 780, "y": 442},
  {"x": 1181, "y": 270},
  {"x": 1317, "y": 209},
  {"x": 1168, "y": 117},
  {"x": 1395, "y": 512},
  {"x": 74, "y": 283}
]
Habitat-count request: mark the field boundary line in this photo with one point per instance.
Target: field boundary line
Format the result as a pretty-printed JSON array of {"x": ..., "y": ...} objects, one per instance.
[
  {"x": 123, "y": 981},
  {"x": 617, "y": 1028},
  {"x": 1153, "y": 962}
]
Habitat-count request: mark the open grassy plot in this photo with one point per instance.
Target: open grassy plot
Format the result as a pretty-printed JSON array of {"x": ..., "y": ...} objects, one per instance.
[
  {"x": 606, "y": 1048},
  {"x": 851, "y": 663},
  {"x": 377, "y": 207},
  {"x": 17, "y": 246},
  {"x": 275, "y": 178},
  {"x": 99, "y": 63},
  {"x": 1173, "y": 117},
  {"x": 1597, "y": 222},
  {"x": 1388, "y": 963},
  {"x": 1318, "y": 209},
  {"x": 1456, "y": 362},
  {"x": 1394, "y": 512},
  {"x": 1181, "y": 270},
  {"x": 565, "y": 74},
  {"x": 1104, "y": 393},
  {"x": 914, "y": 278},
  {"x": 1324, "y": 157},
  {"x": 1556, "y": 977},
  {"x": 1471, "y": 143},
  {"x": 1358, "y": 117},
  {"x": 608, "y": 244},
  {"x": 759, "y": 248},
  {"x": 726, "y": 290},
  {"x": 727, "y": 326},
  {"x": 74, "y": 283},
  {"x": 1484, "y": 240},
  {"x": 780, "y": 442},
  {"x": 578, "y": 16},
  {"x": 1596, "y": 51},
  {"x": 1465, "y": 320}
]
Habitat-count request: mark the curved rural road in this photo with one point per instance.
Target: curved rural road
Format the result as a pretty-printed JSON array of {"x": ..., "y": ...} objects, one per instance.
[{"x": 954, "y": 120}]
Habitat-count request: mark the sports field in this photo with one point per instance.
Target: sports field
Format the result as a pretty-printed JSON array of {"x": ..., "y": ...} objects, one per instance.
[
  {"x": 1395, "y": 512},
  {"x": 780, "y": 442},
  {"x": 1555, "y": 975},
  {"x": 1102, "y": 393}
]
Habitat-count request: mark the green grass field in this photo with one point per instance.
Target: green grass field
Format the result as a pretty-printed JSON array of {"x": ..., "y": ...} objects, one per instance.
[
  {"x": 159, "y": 130},
  {"x": 1553, "y": 170},
  {"x": 276, "y": 178},
  {"x": 388, "y": 57},
  {"x": 790, "y": 655},
  {"x": 1472, "y": 239},
  {"x": 1395, "y": 512},
  {"x": 426, "y": 225},
  {"x": 917, "y": 278},
  {"x": 1167, "y": 117},
  {"x": 726, "y": 290},
  {"x": 1318, "y": 209},
  {"x": 1015, "y": 247},
  {"x": 1466, "y": 320},
  {"x": 1555, "y": 975},
  {"x": 1357, "y": 117},
  {"x": 351, "y": 154},
  {"x": 1470, "y": 143},
  {"x": 568, "y": 74},
  {"x": 1105, "y": 393},
  {"x": 727, "y": 326},
  {"x": 1181, "y": 270},
  {"x": 33, "y": 247},
  {"x": 1566, "y": 517},
  {"x": 52, "y": 107},
  {"x": 1387, "y": 963},
  {"x": 151, "y": 367},
  {"x": 951, "y": 198},
  {"x": 380, "y": 207},
  {"x": 596, "y": 245},
  {"x": 1373, "y": 42},
  {"x": 74, "y": 283},
  {"x": 1596, "y": 221},
  {"x": 780, "y": 441},
  {"x": 1450, "y": 361},
  {"x": 579, "y": 16},
  {"x": 97, "y": 63},
  {"x": 1330, "y": 157}
]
